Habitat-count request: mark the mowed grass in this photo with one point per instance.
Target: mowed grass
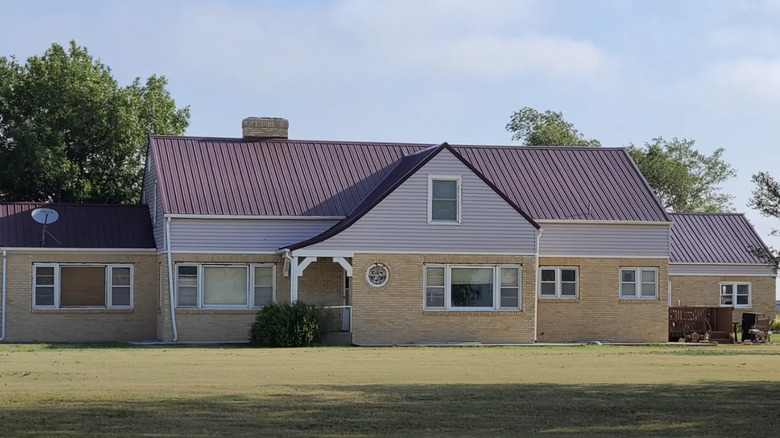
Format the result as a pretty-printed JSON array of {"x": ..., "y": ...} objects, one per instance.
[{"x": 77, "y": 391}]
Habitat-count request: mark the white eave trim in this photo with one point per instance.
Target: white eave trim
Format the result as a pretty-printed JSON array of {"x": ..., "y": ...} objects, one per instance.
[
  {"x": 599, "y": 222},
  {"x": 86, "y": 250},
  {"x": 253, "y": 217}
]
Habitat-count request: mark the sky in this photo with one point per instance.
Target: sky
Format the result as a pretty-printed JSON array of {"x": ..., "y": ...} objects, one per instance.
[{"x": 622, "y": 71}]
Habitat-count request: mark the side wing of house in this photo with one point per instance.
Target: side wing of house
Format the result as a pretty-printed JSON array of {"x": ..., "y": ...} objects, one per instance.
[
  {"x": 95, "y": 279},
  {"x": 715, "y": 261}
]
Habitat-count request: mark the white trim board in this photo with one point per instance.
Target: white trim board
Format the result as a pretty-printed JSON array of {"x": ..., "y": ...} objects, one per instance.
[
  {"x": 623, "y": 256},
  {"x": 85, "y": 250},
  {"x": 600, "y": 222},
  {"x": 255, "y": 217}
]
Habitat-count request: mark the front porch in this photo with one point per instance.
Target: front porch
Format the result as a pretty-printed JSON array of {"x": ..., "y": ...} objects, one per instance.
[{"x": 325, "y": 282}]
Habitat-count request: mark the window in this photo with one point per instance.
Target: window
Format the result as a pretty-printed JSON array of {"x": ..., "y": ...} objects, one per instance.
[
  {"x": 82, "y": 286},
  {"x": 558, "y": 283},
  {"x": 472, "y": 287},
  {"x": 735, "y": 294},
  {"x": 444, "y": 205},
  {"x": 225, "y": 286},
  {"x": 639, "y": 283}
]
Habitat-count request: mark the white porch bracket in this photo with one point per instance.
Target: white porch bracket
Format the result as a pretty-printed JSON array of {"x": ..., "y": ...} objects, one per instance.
[
  {"x": 344, "y": 264},
  {"x": 304, "y": 264}
]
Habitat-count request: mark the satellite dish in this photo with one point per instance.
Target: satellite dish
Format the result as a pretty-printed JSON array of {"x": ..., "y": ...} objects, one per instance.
[{"x": 45, "y": 216}]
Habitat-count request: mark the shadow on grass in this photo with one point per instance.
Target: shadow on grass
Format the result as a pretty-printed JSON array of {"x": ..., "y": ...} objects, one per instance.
[{"x": 718, "y": 409}]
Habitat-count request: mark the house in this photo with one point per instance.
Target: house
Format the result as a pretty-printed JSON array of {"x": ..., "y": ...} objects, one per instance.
[{"x": 403, "y": 243}]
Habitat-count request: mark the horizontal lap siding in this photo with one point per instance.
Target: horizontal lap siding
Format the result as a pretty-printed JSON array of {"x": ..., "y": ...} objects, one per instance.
[
  {"x": 242, "y": 235},
  {"x": 704, "y": 269},
  {"x": 150, "y": 190},
  {"x": 400, "y": 221},
  {"x": 605, "y": 240}
]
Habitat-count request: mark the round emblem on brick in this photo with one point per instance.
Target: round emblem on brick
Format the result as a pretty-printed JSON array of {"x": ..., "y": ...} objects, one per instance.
[{"x": 377, "y": 275}]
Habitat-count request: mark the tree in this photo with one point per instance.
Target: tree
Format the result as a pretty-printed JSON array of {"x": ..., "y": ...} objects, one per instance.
[
  {"x": 70, "y": 133},
  {"x": 766, "y": 199},
  {"x": 546, "y": 129},
  {"x": 684, "y": 179}
]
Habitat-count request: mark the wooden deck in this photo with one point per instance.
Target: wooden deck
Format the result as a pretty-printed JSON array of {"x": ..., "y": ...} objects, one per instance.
[{"x": 715, "y": 321}]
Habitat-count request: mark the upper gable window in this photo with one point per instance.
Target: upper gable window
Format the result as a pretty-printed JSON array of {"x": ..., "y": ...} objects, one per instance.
[{"x": 444, "y": 199}]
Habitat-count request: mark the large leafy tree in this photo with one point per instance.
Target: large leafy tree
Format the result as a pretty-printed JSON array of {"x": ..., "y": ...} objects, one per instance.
[
  {"x": 684, "y": 179},
  {"x": 766, "y": 199},
  {"x": 546, "y": 129},
  {"x": 70, "y": 133}
]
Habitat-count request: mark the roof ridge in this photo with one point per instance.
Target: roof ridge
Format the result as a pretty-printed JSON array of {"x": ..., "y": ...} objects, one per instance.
[{"x": 709, "y": 214}]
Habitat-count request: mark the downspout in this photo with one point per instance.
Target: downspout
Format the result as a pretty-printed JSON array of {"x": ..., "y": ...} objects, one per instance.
[
  {"x": 536, "y": 287},
  {"x": 5, "y": 281},
  {"x": 170, "y": 276}
]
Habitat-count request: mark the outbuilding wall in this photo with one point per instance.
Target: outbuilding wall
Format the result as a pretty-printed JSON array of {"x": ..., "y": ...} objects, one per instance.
[{"x": 704, "y": 290}]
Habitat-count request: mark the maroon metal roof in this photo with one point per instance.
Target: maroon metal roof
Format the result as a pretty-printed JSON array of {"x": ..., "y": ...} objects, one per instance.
[
  {"x": 325, "y": 178},
  {"x": 713, "y": 238},
  {"x": 79, "y": 226}
]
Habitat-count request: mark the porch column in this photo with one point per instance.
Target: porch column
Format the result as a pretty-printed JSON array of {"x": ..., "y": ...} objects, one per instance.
[
  {"x": 294, "y": 280},
  {"x": 296, "y": 270}
]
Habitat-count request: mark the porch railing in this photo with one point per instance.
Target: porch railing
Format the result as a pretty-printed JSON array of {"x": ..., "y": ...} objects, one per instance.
[{"x": 338, "y": 318}]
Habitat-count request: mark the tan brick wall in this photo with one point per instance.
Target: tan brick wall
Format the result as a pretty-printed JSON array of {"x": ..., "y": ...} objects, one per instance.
[
  {"x": 704, "y": 290},
  {"x": 393, "y": 314},
  {"x": 598, "y": 314},
  {"x": 320, "y": 284},
  {"x": 23, "y": 324}
]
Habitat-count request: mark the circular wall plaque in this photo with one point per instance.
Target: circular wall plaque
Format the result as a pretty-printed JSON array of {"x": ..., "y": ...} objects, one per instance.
[{"x": 377, "y": 275}]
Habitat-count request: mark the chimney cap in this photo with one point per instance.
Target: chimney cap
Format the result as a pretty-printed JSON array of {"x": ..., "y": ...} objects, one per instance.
[{"x": 265, "y": 127}]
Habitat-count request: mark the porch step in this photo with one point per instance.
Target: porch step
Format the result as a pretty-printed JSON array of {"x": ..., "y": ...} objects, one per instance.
[{"x": 336, "y": 339}]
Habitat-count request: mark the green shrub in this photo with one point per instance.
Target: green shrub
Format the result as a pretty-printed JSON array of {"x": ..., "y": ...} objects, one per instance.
[
  {"x": 774, "y": 327},
  {"x": 287, "y": 325}
]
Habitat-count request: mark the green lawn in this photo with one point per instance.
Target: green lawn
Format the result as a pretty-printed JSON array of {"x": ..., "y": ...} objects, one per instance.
[{"x": 523, "y": 391}]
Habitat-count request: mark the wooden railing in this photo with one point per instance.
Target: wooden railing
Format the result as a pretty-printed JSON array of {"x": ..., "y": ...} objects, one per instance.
[{"x": 687, "y": 320}]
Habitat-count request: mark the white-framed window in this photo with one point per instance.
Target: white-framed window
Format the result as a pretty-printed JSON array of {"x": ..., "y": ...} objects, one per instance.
[
  {"x": 559, "y": 282},
  {"x": 225, "y": 286},
  {"x": 735, "y": 294},
  {"x": 444, "y": 199},
  {"x": 639, "y": 283},
  {"x": 64, "y": 286},
  {"x": 480, "y": 287}
]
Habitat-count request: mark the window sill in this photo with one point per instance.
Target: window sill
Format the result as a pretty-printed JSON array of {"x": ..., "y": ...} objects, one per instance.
[
  {"x": 444, "y": 312},
  {"x": 189, "y": 310},
  {"x": 444, "y": 223},
  {"x": 559, "y": 300},
  {"x": 74, "y": 311},
  {"x": 638, "y": 300}
]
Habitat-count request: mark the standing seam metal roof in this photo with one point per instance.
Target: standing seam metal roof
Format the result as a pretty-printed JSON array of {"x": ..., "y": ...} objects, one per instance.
[
  {"x": 218, "y": 176},
  {"x": 714, "y": 238},
  {"x": 89, "y": 226}
]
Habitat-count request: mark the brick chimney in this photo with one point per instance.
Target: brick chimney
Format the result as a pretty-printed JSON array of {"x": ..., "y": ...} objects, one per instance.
[{"x": 264, "y": 127}]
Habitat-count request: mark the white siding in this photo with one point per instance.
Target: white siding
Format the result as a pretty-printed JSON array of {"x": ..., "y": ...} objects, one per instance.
[
  {"x": 242, "y": 235},
  {"x": 152, "y": 194},
  {"x": 604, "y": 240},
  {"x": 720, "y": 270},
  {"x": 399, "y": 223}
]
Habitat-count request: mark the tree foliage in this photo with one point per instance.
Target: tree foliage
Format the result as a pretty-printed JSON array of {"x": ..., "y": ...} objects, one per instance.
[
  {"x": 766, "y": 199},
  {"x": 70, "y": 133},
  {"x": 684, "y": 179},
  {"x": 546, "y": 129}
]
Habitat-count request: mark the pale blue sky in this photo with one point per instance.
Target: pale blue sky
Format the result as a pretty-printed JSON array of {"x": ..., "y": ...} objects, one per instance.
[{"x": 446, "y": 70}]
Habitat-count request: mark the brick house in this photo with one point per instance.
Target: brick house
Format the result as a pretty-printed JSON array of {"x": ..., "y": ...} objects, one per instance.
[{"x": 403, "y": 242}]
